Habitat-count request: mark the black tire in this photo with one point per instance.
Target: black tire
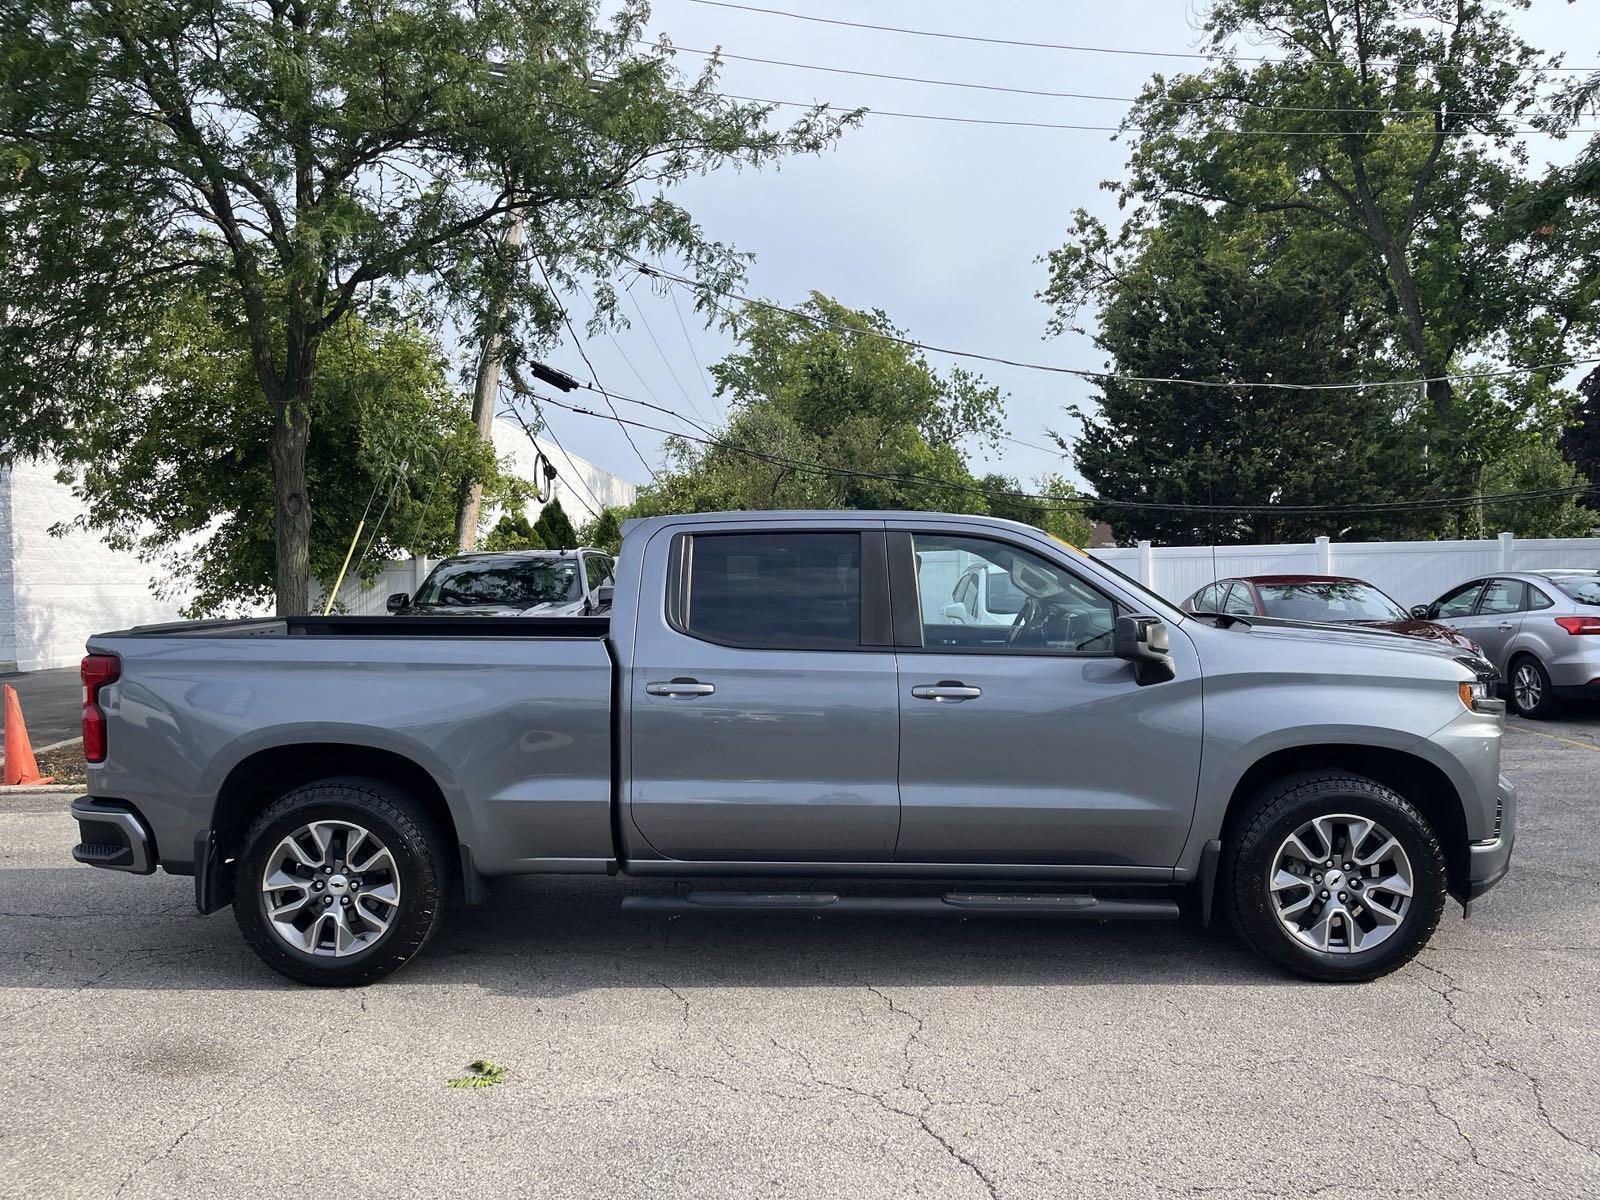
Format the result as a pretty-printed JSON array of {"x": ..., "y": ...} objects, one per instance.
[
  {"x": 1546, "y": 705},
  {"x": 1282, "y": 808},
  {"x": 419, "y": 855}
]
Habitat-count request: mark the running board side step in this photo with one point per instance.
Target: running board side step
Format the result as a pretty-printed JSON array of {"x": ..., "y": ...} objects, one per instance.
[{"x": 952, "y": 904}]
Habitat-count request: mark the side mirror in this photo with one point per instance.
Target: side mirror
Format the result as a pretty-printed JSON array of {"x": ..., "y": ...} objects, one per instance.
[
  {"x": 1422, "y": 612},
  {"x": 398, "y": 602},
  {"x": 1143, "y": 641},
  {"x": 602, "y": 596},
  {"x": 955, "y": 612}
]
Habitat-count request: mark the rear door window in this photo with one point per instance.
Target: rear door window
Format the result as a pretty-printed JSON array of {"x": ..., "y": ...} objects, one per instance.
[{"x": 773, "y": 591}]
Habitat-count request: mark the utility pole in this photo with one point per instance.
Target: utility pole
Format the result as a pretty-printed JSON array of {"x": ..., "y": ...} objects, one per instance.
[{"x": 486, "y": 391}]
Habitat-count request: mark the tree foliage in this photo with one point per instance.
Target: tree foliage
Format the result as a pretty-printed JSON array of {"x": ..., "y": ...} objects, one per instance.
[
  {"x": 512, "y": 531},
  {"x": 179, "y": 471},
  {"x": 1335, "y": 213},
  {"x": 554, "y": 528},
  {"x": 303, "y": 161},
  {"x": 824, "y": 388}
]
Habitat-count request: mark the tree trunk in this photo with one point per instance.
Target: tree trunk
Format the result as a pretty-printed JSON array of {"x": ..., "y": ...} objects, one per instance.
[
  {"x": 291, "y": 434},
  {"x": 484, "y": 394}
]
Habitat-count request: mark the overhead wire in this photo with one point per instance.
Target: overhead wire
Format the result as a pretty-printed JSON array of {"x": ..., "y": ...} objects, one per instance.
[
  {"x": 1059, "y": 95},
  {"x": 1203, "y": 55},
  {"x": 1109, "y": 376},
  {"x": 1069, "y": 504},
  {"x": 584, "y": 354}
]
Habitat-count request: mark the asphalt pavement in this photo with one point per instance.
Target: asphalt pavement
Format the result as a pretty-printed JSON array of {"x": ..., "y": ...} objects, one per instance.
[
  {"x": 145, "y": 1053},
  {"x": 52, "y": 703}
]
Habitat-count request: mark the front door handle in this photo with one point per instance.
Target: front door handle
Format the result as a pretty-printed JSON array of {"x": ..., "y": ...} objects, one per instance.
[
  {"x": 681, "y": 686},
  {"x": 1507, "y": 628},
  {"x": 946, "y": 689}
]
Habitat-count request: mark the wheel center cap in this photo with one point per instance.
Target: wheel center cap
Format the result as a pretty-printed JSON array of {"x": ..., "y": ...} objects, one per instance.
[
  {"x": 338, "y": 885},
  {"x": 1331, "y": 880}
]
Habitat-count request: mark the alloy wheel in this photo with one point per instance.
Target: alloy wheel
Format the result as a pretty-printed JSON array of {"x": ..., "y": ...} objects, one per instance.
[
  {"x": 1340, "y": 884},
  {"x": 330, "y": 888},
  {"x": 1527, "y": 687}
]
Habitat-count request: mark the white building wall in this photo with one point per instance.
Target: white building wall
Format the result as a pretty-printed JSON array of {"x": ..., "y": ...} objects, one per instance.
[
  {"x": 57, "y": 591},
  {"x": 62, "y": 589}
]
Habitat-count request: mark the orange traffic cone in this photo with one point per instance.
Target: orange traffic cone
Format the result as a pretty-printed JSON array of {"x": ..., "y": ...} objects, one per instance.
[{"x": 20, "y": 764}]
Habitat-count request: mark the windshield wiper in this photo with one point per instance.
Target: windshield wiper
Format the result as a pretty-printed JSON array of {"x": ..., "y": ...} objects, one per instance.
[{"x": 1223, "y": 620}]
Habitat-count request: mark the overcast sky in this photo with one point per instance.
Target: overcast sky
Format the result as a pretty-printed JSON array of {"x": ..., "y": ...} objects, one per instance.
[{"x": 938, "y": 224}]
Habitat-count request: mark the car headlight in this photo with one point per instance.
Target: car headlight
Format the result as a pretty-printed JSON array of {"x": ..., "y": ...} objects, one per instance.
[{"x": 1478, "y": 696}]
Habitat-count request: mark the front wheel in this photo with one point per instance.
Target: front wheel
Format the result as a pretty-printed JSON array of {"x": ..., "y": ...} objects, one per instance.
[
  {"x": 1335, "y": 877},
  {"x": 340, "y": 882}
]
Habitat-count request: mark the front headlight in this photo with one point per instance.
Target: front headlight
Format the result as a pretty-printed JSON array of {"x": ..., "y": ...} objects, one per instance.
[{"x": 1478, "y": 696}]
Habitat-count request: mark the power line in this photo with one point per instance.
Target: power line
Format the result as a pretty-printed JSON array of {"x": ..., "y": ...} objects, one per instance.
[
  {"x": 1202, "y": 55},
  {"x": 1387, "y": 131},
  {"x": 578, "y": 343},
  {"x": 1055, "y": 95},
  {"x": 672, "y": 294},
  {"x": 519, "y": 387},
  {"x": 1065, "y": 504},
  {"x": 1108, "y": 376},
  {"x": 662, "y": 354}
]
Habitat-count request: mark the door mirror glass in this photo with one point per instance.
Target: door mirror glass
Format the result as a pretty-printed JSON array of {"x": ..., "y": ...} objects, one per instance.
[
  {"x": 1145, "y": 643},
  {"x": 1422, "y": 612},
  {"x": 398, "y": 602}
]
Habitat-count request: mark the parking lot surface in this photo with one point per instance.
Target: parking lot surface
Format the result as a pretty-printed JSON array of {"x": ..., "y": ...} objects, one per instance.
[{"x": 145, "y": 1052}]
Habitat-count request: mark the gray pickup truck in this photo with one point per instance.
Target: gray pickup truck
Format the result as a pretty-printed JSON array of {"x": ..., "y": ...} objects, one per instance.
[{"x": 781, "y": 714}]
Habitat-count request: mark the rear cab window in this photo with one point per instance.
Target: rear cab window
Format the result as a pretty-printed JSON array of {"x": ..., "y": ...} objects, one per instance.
[{"x": 770, "y": 591}]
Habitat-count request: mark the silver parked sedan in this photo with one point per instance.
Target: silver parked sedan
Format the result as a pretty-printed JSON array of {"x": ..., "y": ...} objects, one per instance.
[{"x": 1540, "y": 628}]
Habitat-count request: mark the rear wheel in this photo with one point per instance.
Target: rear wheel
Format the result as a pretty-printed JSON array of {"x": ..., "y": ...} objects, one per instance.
[
  {"x": 1335, "y": 877},
  {"x": 340, "y": 882},
  {"x": 1531, "y": 692}
]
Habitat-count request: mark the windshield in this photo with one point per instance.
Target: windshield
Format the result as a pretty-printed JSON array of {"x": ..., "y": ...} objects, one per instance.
[
  {"x": 1584, "y": 587},
  {"x": 513, "y": 582},
  {"x": 1329, "y": 601}
]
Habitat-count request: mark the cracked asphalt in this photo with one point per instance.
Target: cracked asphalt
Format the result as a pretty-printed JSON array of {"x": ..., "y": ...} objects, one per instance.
[{"x": 144, "y": 1052}]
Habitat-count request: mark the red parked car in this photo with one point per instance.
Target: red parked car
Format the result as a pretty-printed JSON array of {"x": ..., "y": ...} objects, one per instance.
[{"x": 1334, "y": 599}]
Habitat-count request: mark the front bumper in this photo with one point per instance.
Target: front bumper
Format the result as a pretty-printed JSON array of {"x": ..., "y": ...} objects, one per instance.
[
  {"x": 113, "y": 836},
  {"x": 1489, "y": 858}
]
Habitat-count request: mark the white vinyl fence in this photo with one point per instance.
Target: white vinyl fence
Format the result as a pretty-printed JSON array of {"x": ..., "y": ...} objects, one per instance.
[
  {"x": 1411, "y": 572},
  {"x": 355, "y": 600}
]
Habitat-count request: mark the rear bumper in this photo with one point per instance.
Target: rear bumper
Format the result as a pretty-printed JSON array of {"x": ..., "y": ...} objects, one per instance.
[
  {"x": 1489, "y": 858},
  {"x": 112, "y": 835}
]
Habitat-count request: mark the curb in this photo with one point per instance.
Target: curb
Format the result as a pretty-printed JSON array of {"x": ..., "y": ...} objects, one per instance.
[{"x": 42, "y": 789}]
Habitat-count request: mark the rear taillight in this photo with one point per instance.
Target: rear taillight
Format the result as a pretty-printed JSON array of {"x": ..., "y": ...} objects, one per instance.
[
  {"x": 98, "y": 670},
  {"x": 1579, "y": 624}
]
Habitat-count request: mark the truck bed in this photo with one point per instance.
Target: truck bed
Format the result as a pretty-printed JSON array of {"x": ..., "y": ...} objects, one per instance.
[{"x": 378, "y": 627}]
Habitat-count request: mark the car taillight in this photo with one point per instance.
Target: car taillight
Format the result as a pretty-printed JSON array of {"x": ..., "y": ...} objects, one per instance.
[
  {"x": 1579, "y": 624},
  {"x": 98, "y": 670}
]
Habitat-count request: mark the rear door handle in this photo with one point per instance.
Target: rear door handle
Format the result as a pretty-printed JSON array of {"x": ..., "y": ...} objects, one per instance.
[
  {"x": 681, "y": 687},
  {"x": 946, "y": 689},
  {"x": 1507, "y": 628}
]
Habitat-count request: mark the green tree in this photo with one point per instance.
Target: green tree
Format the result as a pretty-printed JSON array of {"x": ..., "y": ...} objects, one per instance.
[
  {"x": 1381, "y": 138},
  {"x": 1580, "y": 440},
  {"x": 179, "y": 471},
  {"x": 512, "y": 532},
  {"x": 605, "y": 531},
  {"x": 1231, "y": 299},
  {"x": 301, "y": 161},
  {"x": 826, "y": 387},
  {"x": 1046, "y": 504},
  {"x": 554, "y": 527}
]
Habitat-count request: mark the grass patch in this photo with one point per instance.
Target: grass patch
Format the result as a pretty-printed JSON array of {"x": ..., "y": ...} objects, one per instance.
[{"x": 481, "y": 1073}]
